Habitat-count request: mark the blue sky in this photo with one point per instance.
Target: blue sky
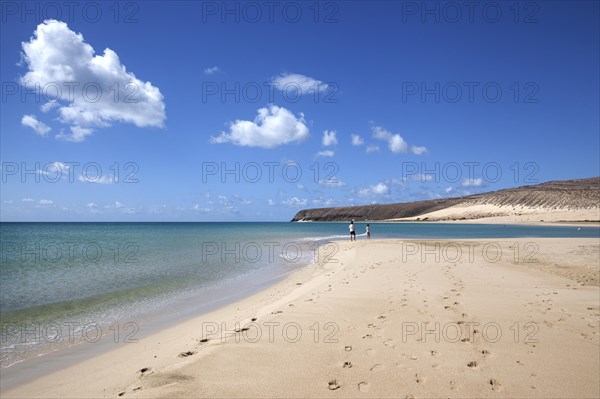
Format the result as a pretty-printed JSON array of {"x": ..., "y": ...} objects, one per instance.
[{"x": 396, "y": 101}]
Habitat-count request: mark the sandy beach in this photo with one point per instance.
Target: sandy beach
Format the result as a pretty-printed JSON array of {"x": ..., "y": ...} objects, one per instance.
[{"x": 379, "y": 318}]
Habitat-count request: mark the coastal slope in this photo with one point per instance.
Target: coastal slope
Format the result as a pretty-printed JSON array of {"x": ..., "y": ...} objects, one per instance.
[{"x": 555, "y": 201}]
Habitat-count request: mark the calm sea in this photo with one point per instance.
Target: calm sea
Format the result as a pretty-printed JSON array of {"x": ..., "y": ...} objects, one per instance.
[{"x": 63, "y": 280}]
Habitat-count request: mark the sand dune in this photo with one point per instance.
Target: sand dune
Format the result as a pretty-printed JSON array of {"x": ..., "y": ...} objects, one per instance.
[
  {"x": 389, "y": 318},
  {"x": 507, "y": 214}
]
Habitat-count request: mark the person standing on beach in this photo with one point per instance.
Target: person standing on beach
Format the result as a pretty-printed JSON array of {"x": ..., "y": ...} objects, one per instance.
[
  {"x": 352, "y": 232},
  {"x": 368, "y": 232}
]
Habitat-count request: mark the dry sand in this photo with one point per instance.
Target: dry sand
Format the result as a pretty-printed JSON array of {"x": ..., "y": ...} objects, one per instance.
[
  {"x": 496, "y": 328},
  {"x": 504, "y": 214}
]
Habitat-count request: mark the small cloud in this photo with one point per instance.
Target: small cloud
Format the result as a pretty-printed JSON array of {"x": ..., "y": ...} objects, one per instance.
[
  {"x": 97, "y": 179},
  {"x": 295, "y": 201},
  {"x": 326, "y": 153},
  {"x": 423, "y": 177},
  {"x": 295, "y": 82},
  {"x": 324, "y": 203},
  {"x": 332, "y": 182},
  {"x": 418, "y": 150},
  {"x": 91, "y": 205},
  {"x": 329, "y": 138},
  {"x": 378, "y": 189},
  {"x": 449, "y": 189},
  {"x": 270, "y": 202},
  {"x": 478, "y": 182},
  {"x": 372, "y": 148},
  {"x": 396, "y": 143},
  {"x": 78, "y": 134},
  {"x": 357, "y": 140},
  {"x": 212, "y": 70},
  {"x": 119, "y": 205},
  {"x": 27, "y": 200},
  {"x": 32, "y": 122},
  {"x": 44, "y": 202},
  {"x": 200, "y": 209}
]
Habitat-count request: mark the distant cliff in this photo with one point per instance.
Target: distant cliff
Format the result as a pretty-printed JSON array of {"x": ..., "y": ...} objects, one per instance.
[{"x": 555, "y": 196}]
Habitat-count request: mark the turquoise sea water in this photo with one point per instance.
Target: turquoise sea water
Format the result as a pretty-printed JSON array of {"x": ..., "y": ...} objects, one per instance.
[{"x": 102, "y": 273}]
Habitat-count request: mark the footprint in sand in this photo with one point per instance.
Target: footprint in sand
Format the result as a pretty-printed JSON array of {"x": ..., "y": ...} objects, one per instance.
[
  {"x": 496, "y": 386},
  {"x": 145, "y": 371},
  {"x": 419, "y": 378},
  {"x": 473, "y": 364},
  {"x": 333, "y": 385},
  {"x": 485, "y": 352},
  {"x": 377, "y": 367},
  {"x": 363, "y": 386},
  {"x": 186, "y": 354},
  {"x": 347, "y": 348},
  {"x": 347, "y": 365},
  {"x": 434, "y": 353}
]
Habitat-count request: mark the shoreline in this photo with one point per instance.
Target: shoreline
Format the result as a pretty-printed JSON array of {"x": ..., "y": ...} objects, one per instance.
[
  {"x": 126, "y": 331},
  {"x": 319, "y": 288}
]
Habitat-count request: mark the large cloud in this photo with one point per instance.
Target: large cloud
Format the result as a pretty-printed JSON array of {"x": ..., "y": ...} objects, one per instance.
[
  {"x": 272, "y": 127},
  {"x": 91, "y": 90}
]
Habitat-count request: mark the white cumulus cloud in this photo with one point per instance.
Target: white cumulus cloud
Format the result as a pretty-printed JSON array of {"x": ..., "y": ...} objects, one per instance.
[
  {"x": 329, "y": 138},
  {"x": 39, "y": 127},
  {"x": 474, "y": 182},
  {"x": 272, "y": 127},
  {"x": 357, "y": 140},
  {"x": 297, "y": 83},
  {"x": 396, "y": 143},
  {"x": 92, "y": 90}
]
